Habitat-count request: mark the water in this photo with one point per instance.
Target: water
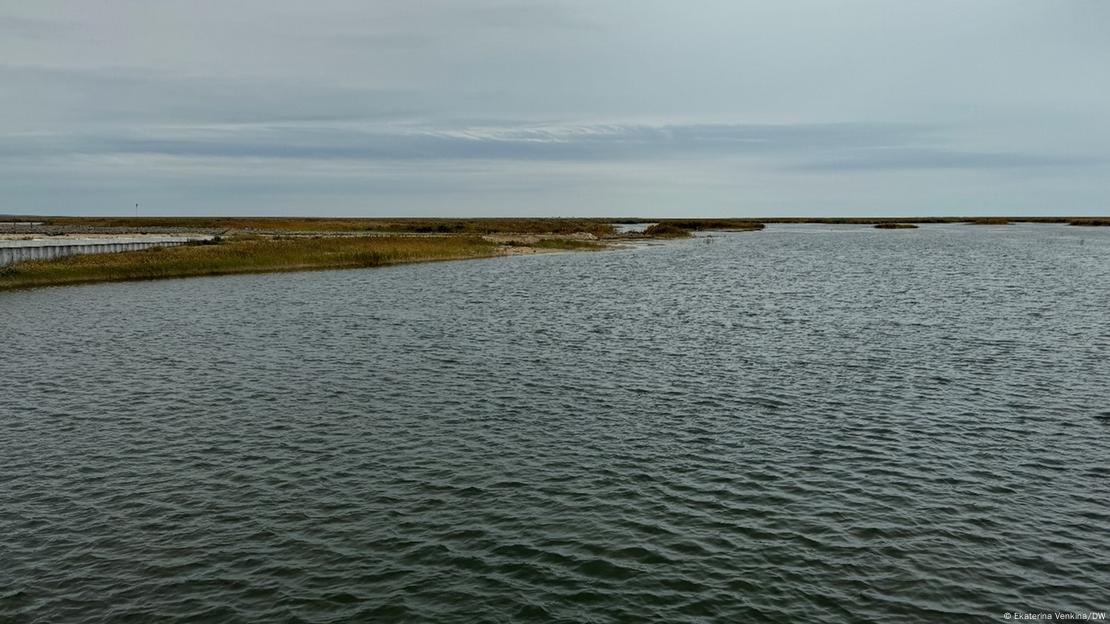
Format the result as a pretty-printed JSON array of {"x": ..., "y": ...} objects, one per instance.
[{"x": 809, "y": 423}]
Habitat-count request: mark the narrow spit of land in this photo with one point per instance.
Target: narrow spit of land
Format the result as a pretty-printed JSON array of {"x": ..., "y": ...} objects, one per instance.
[
  {"x": 272, "y": 244},
  {"x": 241, "y": 255},
  {"x": 254, "y": 245}
]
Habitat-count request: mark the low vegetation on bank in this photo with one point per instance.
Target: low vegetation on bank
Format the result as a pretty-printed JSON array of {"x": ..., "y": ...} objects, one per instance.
[
  {"x": 681, "y": 228},
  {"x": 597, "y": 227},
  {"x": 568, "y": 244},
  {"x": 713, "y": 224},
  {"x": 666, "y": 230},
  {"x": 243, "y": 255},
  {"x": 264, "y": 244},
  {"x": 916, "y": 220}
]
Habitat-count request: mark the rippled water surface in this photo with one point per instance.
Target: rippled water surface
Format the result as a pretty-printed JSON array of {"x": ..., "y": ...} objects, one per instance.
[{"x": 808, "y": 423}]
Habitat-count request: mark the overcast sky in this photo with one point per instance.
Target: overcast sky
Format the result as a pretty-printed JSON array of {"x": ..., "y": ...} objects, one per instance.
[{"x": 553, "y": 107}]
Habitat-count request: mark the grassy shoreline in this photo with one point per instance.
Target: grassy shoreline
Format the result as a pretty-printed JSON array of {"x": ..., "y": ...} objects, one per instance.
[
  {"x": 277, "y": 244},
  {"x": 245, "y": 255},
  {"x": 600, "y": 227},
  {"x": 368, "y": 225}
]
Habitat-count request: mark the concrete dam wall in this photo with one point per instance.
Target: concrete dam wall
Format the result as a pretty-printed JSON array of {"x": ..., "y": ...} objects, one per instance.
[{"x": 12, "y": 251}]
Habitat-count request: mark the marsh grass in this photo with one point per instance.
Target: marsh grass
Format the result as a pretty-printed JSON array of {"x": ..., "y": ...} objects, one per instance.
[
  {"x": 1090, "y": 222},
  {"x": 706, "y": 223},
  {"x": 895, "y": 226},
  {"x": 989, "y": 221},
  {"x": 916, "y": 220},
  {"x": 252, "y": 255},
  {"x": 564, "y": 243},
  {"x": 666, "y": 230},
  {"x": 713, "y": 224},
  {"x": 556, "y": 243},
  {"x": 598, "y": 227},
  {"x": 681, "y": 228}
]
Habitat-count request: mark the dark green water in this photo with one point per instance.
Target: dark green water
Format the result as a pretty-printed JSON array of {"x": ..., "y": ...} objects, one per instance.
[{"x": 819, "y": 424}]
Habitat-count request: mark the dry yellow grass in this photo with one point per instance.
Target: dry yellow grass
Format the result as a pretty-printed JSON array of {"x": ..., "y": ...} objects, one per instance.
[{"x": 243, "y": 256}]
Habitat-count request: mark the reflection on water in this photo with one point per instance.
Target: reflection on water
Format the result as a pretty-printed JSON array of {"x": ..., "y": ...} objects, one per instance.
[{"x": 806, "y": 423}]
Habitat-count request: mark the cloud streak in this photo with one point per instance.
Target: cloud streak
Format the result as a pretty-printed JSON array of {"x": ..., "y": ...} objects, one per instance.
[
  {"x": 844, "y": 147},
  {"x": 929, "y": 159},
  {"x": 555, "y": 107}
]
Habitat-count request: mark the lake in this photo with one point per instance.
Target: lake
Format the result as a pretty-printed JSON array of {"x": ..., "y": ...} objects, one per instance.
[{"x": 809, "y": 423}]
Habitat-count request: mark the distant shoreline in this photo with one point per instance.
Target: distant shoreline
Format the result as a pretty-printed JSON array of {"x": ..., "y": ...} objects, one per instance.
[
  {"x": 599, "y": 226},
  {"x": 240, "y": 245}
]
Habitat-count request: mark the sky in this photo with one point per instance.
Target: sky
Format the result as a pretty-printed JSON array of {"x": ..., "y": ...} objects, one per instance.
[{"x": 555, "y": 107}]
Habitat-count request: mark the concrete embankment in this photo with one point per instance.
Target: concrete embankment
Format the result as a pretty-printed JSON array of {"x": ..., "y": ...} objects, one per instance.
[{"x": 12, "y": 251}]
